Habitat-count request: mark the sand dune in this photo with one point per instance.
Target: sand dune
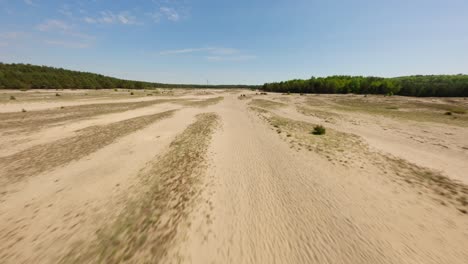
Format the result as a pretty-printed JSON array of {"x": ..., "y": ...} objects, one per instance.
[{"x": 218, "y": 178}]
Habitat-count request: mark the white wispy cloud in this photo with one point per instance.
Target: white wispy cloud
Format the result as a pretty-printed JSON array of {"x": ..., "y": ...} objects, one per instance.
[
  {"x": 109, "y": 17},
  {"x": 53, "y": 25},
  {"x": 12, "y": 35},
  {"x": 165, "y": 12},
  {"x": 59, "y": 26},
  {"x": 11, "y": 38},
  {"x": 183, "y": 51},
  {"x": 68, "y": 44},
  {"x": 64, "y": 34},
  {"x": 89, "y": 20},
  {"x": 210, "y": 50},
  {"x": 170, "y": 13},
  {"x": 65, "y": 10},
  {"x": 29, "y": 2},
  {"x": 213, "y": 53},
  {"x": 231, "y": 58}
]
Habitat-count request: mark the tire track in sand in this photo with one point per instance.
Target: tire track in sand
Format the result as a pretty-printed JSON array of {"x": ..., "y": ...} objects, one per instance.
[{"x": 150, "y": 225}]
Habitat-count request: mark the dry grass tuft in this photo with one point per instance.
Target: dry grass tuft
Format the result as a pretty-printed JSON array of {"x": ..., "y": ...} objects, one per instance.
[{"x": 143, "y": 230}]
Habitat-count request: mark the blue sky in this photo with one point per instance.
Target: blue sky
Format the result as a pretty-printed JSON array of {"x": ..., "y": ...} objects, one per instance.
[{"x": 245, "y": 42}]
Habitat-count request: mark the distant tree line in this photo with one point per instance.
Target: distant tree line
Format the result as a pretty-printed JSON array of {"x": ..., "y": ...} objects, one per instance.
[
  {"x": 26, "y": 76},
  {"x": 418, "y": 85}
]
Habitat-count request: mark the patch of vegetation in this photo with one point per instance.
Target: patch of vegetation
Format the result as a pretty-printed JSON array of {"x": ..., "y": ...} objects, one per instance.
[
  {"x": 319, "y": 130},
  {"x": 201, "y": 103},
  {"x": 42, "y": 157},
  {"x": 268, "y": 104},
  {"x": 12, "y": 97},
  {"x": 458, "y": 110},
  {"x": 339, "y": 147},
  {"x": 142, "y": 233},
  {"x": 451, "y": 191},
  {"x": 414, "y": 110},
  {"x": 327, "y": 116},
  {"x": 37, "y": 119}
]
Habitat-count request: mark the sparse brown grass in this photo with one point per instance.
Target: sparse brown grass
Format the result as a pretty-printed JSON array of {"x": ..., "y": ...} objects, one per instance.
[
  {"x": 267, "y": 104},
  {"x": 143, "y": 229},
  {"x": 446, "y": 189},
  {"x": 334, "y": 144},
  {"x": 350, "y": 150},
  {"x": 327, "y": 116},
  {"x": 33, "y": 120},
  {"x": 420, "y": 110},
  {"x": 201, "y": 103},
  {"x": 40, "y": 158}
]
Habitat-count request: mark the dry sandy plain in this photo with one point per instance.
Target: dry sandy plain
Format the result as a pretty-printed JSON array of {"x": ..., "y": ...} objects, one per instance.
[{"x": 191, "y": 176}]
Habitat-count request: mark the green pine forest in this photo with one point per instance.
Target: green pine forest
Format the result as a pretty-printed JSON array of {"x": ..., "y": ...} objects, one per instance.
[
  {"x": 418, "y": 85},
  {"x": 26, "y": 76}
]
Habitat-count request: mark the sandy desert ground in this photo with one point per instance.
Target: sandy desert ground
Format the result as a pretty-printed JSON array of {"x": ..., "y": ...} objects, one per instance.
[{"x": 212, "y": 176}]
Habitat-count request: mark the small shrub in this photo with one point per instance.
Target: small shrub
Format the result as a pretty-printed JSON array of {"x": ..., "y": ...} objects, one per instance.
[
  {"x": 448, "y": 113},
  {"x": 131, "y": 93},
  {"x": 115, "y": 90},
  {"x": 12, "y": 97},
  {"x": 57, "y": 94},
  {"x": 319, "y": 130},
  {"x": 23, "y": 110}
]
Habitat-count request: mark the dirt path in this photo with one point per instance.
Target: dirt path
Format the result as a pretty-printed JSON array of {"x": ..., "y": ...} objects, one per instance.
[{"x": 268, "y": 203}]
